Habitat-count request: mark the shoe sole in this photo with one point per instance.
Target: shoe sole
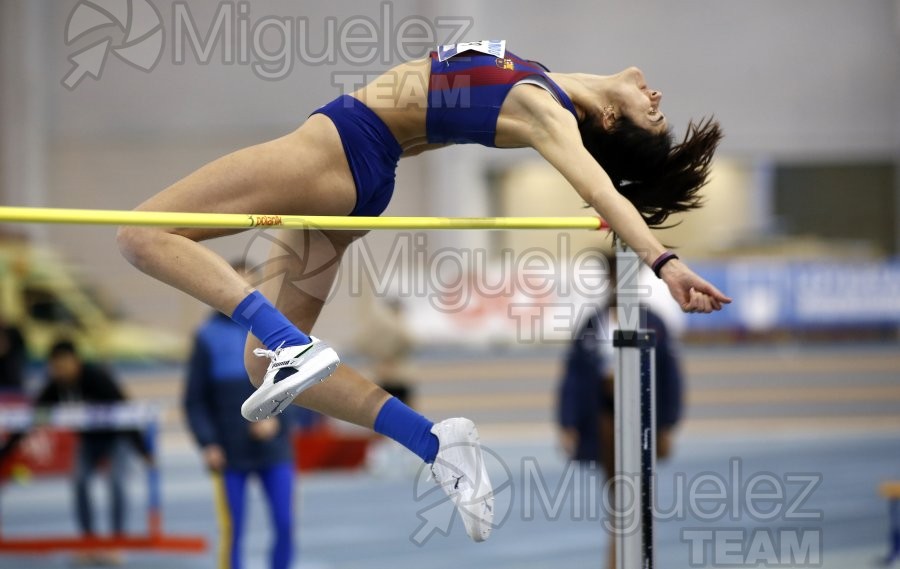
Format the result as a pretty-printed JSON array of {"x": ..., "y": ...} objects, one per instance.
[
  {"x": 477, "y": 526},
  {"x": 280, "y": 396},
  {"x": 482, "y": 527}
]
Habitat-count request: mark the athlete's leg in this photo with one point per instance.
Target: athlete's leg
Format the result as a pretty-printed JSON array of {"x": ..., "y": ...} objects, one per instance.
[
  {"x": 278, "y": 484},
  {"x": 297, "y": 278},
  {"x": 304, "y": 172},
  {"x": 451, "y": 446}
]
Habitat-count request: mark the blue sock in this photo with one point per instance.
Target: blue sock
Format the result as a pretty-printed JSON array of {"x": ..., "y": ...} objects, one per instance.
[
  {"x": 260, "y": 318},
  {"x": 399, "y": 422}
]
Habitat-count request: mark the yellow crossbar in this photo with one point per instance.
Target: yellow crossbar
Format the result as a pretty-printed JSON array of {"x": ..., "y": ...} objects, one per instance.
[{"x": 248, "y": 221}]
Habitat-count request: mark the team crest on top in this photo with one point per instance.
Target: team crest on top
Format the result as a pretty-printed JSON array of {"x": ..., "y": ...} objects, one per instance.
[{"x": 505, "y": 63}]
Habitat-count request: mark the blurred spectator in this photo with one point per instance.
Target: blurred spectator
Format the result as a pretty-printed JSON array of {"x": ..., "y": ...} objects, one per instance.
[
  {"x": 13, "y": 357},
  {"x": 587, "y": 396},
  {"x": 73, "y": 381},
  {"x": 587, "y": 391},
  {"x": 233, "y": 448}
]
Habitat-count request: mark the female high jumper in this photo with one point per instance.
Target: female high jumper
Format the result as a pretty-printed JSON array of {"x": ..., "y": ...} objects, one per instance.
[{"x": 604, "y": 133}]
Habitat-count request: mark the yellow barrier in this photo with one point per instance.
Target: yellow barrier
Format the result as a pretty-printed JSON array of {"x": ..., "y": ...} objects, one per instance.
[{"x": 248, "y": 221}]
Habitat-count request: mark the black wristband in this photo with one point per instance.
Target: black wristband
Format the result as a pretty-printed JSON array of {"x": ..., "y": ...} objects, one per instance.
[{"x": 660, "y": 262}]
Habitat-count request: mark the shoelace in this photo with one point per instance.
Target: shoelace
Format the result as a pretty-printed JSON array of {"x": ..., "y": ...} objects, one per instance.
[{"x": 264, "y": 353}]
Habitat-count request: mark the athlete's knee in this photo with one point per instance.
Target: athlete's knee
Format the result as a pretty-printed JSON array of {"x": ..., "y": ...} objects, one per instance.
[
  {"x": 137, "y": 243},
  {"x": 340, "y": 240}
]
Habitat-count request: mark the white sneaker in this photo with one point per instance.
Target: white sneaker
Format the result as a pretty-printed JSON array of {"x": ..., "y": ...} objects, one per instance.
[
  {"x": 460, "y": 470},
  {"x": 292, "y": 370}
]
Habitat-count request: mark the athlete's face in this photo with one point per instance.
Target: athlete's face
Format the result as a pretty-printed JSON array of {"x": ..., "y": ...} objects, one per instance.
[{"x": 639, "y": 102}]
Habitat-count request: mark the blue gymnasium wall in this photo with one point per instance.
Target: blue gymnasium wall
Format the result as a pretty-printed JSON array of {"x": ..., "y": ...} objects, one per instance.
[{"x": 801, "y": 295}]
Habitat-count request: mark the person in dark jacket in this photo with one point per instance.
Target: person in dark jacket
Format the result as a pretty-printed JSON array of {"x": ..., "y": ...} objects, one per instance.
[
  {"x": 13, "y": 357},
  {"x": 235, "y": 449},
  {"x": 586, "y": 401},
  {"x": 586, "y": 396},
  {"x": 74, "y": 381}
]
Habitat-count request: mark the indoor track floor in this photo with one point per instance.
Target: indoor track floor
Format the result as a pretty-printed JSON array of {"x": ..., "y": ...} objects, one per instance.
[{"x": 826, "y": 415}]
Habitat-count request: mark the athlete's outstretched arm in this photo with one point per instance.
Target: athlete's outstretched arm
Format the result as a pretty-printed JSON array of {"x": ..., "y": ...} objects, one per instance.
[{"x": 556, "y": 137}]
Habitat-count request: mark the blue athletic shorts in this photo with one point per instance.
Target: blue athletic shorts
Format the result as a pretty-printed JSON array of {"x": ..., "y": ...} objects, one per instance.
[{"x": 371, "y": 150}]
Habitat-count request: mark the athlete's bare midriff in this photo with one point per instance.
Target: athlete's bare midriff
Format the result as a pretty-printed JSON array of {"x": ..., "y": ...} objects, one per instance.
[{"x": 400, "y": 98}]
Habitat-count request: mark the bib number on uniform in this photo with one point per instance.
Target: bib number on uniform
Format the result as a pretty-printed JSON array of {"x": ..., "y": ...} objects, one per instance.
[{"x": 497, "y": 48}]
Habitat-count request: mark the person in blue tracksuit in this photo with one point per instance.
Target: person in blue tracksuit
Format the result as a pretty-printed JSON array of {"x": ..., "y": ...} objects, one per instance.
[
  {"x": 235, "y": 449},
  {"x": 586, "y": 396}
]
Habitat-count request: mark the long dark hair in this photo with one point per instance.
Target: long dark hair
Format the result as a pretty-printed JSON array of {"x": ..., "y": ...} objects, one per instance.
[{"x": 658, "y": 176}]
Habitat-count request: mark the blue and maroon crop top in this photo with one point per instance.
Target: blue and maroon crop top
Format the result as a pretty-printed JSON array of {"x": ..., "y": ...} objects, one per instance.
[{"x": 468, "y": 87}]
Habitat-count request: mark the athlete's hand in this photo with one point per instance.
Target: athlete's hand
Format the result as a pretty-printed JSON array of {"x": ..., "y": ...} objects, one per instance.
[{"x": 692, "y": 292}]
